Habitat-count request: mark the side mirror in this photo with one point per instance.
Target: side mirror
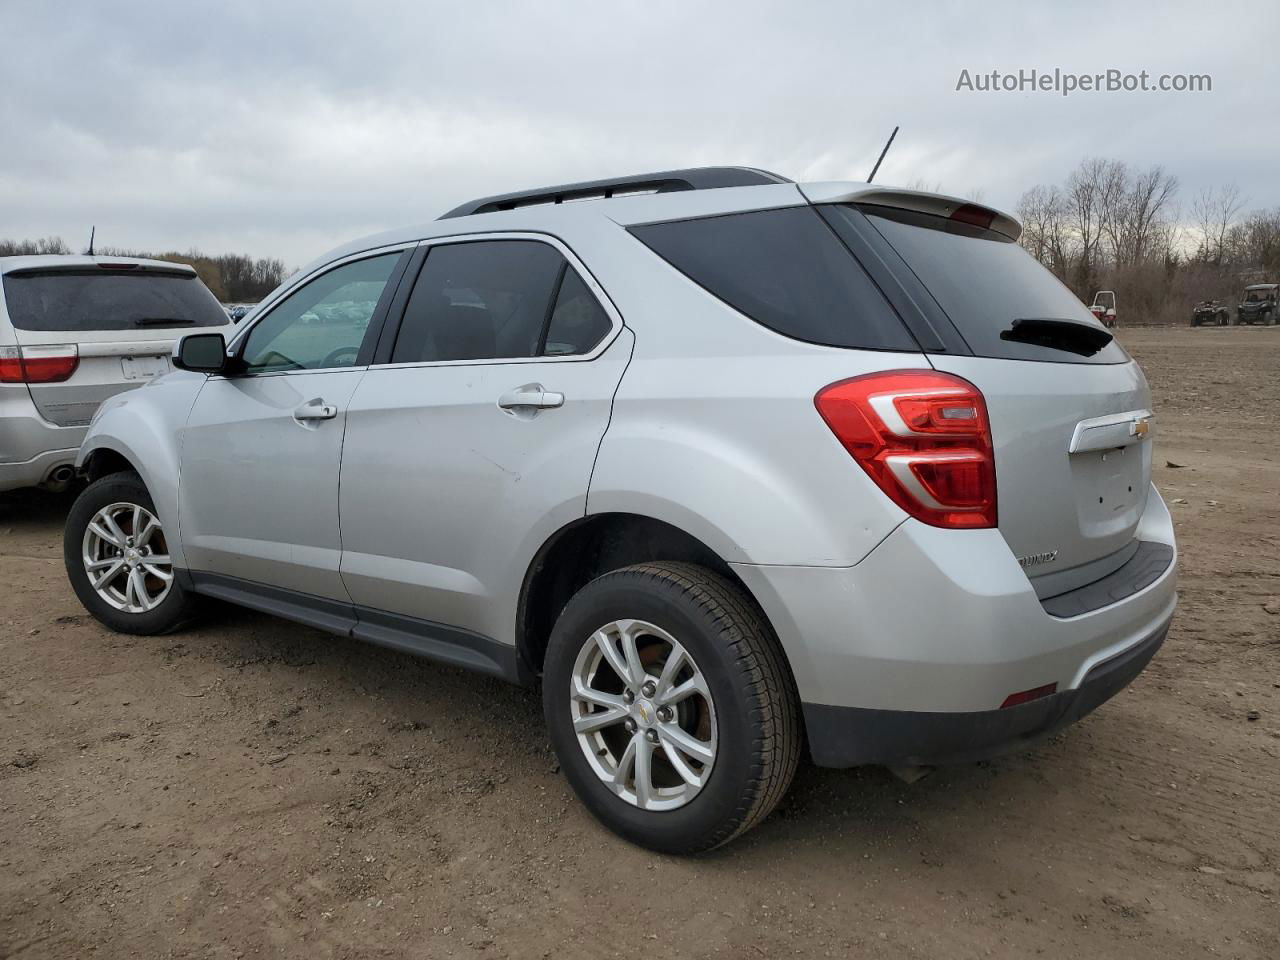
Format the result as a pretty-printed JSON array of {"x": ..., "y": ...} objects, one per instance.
[{"x": 201, "y": 353}]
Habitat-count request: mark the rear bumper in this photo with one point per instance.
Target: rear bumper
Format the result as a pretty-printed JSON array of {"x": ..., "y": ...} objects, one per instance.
[
  {"x": 34, "y": 472},
  {"x": 31, "y": 447},
  {"x": 935, "y": 628},
  {"x": 850, "y": 736}
]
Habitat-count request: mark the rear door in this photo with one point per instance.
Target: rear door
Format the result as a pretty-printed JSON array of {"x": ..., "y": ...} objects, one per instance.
[
  {"x": 120, "y": 320},
  {"x": 1070, "y": 411},
  {"x": 476, "y": 439}
]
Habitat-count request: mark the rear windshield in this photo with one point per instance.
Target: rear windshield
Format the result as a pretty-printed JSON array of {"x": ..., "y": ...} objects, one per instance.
[
  {"x": 97, "y": 299},
  {"x": 784, "y": 269},
  {"x": 983, "y": 281}
]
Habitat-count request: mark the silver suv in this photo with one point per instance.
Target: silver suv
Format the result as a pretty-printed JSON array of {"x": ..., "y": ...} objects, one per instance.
[
  {"x": 74, "y": 331},
  {"x": 739, "y": 468}
]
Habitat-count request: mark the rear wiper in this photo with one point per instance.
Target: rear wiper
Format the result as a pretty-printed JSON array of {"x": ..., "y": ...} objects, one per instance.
[
  {"x": 163, "y": 322},
  {"x": 1070, "y": 335}
]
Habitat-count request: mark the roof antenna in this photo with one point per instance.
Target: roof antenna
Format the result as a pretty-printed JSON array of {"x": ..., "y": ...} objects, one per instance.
[
  {"x": 93, "y": 230},
  {"x": 882, "y": 153}
]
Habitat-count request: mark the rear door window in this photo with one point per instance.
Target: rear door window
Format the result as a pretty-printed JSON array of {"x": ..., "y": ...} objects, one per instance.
[
  {"x": 480, "y": 300},
  {"x": 786, "y": 270},
  {"x": 982, "y": 280},
  {"x": 100, "y": 299},
  {"x": 578, "y": 322}
]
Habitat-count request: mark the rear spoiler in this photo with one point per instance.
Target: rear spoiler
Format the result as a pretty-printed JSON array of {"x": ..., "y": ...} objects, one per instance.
[
  {"x": 83, "y": 266},
  {"x": 936, "y": 204}
]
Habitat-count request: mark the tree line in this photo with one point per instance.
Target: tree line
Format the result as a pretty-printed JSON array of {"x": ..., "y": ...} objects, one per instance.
[
  {"x": 232, "y": 277},
  {"x": 1111, "y": 226}
]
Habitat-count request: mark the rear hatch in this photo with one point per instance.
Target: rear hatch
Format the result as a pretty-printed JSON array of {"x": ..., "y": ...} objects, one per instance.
[
  {"x": 1069, "y": 410},
  {"x": 112, "y": 323}
]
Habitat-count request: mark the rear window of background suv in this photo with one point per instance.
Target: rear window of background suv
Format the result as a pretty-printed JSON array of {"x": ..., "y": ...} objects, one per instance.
[
  {"x": 786, "y": 270},
  {"x": 982, "y": 280},
  {"x": 97, "y": 299}
]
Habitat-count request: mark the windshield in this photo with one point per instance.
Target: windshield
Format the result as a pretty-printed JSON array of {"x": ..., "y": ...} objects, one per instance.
[
  {"x": 1253, "y": 296},
  {"x": 97, "y": 299}
]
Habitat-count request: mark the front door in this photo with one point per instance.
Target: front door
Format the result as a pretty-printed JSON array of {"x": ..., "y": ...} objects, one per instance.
[
  {"x": 258, "y": 492},
  {"x": 476, "y": 441}
]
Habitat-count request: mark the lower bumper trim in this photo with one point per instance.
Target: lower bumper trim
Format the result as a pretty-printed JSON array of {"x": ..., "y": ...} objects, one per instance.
[{"x": 854, "y": 736}]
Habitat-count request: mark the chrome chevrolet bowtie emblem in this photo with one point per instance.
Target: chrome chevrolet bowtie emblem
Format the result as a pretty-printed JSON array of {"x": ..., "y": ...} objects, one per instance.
[{"x": 1140, "y": 428}]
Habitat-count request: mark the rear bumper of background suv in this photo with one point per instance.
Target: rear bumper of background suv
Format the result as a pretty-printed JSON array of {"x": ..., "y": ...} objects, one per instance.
[
  {"x": 31, "y": 448},
  {"x": 907, "y": 656}
]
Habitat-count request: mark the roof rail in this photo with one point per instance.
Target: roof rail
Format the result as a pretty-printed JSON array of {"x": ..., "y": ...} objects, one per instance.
[{"x": 668, "y": 181}]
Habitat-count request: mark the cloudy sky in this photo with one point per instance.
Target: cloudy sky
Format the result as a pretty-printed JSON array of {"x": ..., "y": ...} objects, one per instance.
[{"x": 284, "y": 129}]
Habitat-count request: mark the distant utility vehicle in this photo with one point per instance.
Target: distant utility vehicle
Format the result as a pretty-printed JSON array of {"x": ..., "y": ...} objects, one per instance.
[
  {"x": 1258, "y": 305},
  {"x": 1209, "y": 313},
  {"x": 736, "y": 466},
  {"x": 1104, "y": 308},
  {"x": 75, "y": 330}
]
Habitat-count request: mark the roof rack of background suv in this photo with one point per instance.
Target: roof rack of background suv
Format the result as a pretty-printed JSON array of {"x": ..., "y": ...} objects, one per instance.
[{"x": 669, "y": 181}]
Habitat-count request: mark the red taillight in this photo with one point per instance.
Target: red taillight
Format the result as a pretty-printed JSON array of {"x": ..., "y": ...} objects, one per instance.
[
  {"x": 45, "y": 363},
  {"x": 923, "y": 437}
]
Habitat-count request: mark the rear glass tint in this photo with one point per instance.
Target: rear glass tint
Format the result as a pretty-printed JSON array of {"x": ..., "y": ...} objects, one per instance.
[
  {"x": 97, "y": 299},
  {"x": 784, "y": 269},
  {"x": 983, "y": 281}
]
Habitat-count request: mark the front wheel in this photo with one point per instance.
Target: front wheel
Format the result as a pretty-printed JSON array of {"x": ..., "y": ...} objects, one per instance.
[
  {"x": 670, "y": 706},
  {"x": 117, "y": 558}
]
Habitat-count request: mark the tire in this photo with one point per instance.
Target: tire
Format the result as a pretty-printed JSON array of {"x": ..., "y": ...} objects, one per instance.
[
  {"x": 1222, "y": 319},
  {"x": 127, "y": 611},
  {"x": 753, "y": 706}
]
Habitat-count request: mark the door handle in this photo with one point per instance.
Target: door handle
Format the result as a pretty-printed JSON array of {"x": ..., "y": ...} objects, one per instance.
[
  {"x": 531, "y": 396},
  {"x": 315, "y": 409}
]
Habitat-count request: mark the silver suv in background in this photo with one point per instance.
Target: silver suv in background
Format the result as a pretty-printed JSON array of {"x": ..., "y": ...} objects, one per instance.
[
  {"x": 75, "y": 330},
  {"x": 737, "y": 467}
]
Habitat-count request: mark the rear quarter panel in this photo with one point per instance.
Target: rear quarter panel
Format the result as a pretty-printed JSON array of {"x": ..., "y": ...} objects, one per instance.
[{"x": 714, "y": 429}]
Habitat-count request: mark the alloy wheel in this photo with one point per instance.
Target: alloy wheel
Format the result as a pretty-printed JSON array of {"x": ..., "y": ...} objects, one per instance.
[
  {"x": 126, "y": 557},
  {"x": 643, "y": 715}
]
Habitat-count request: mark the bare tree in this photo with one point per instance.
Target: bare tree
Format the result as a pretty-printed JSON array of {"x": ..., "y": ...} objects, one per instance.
[
  {"x": 1150, "y": 200},
  {"x": 1045, "y": 233},
  {"x": 44, "y": 245},
  {"x": 1215, "y": 213},
  {"x": 1084, "y": 198}
]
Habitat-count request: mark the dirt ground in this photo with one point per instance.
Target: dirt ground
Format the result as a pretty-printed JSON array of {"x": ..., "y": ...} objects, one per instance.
[{"x": 250, "y": 787}]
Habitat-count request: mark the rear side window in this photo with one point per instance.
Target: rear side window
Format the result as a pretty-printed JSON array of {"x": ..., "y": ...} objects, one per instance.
[
  {"x": 784, "y": 269},
  {"x": 98, "y": 299},
  {"x": 982, "y": 280}
]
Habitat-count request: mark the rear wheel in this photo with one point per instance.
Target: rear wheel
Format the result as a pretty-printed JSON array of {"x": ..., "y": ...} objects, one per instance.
[
  {"x": 670, "y": 706},
  {"x": 117, "y": 558}
]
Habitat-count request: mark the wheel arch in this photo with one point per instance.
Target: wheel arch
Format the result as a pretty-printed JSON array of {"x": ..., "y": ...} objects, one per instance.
[
  {"x": 103, "y": 461},
  {"x": 588, "y": 547}
]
